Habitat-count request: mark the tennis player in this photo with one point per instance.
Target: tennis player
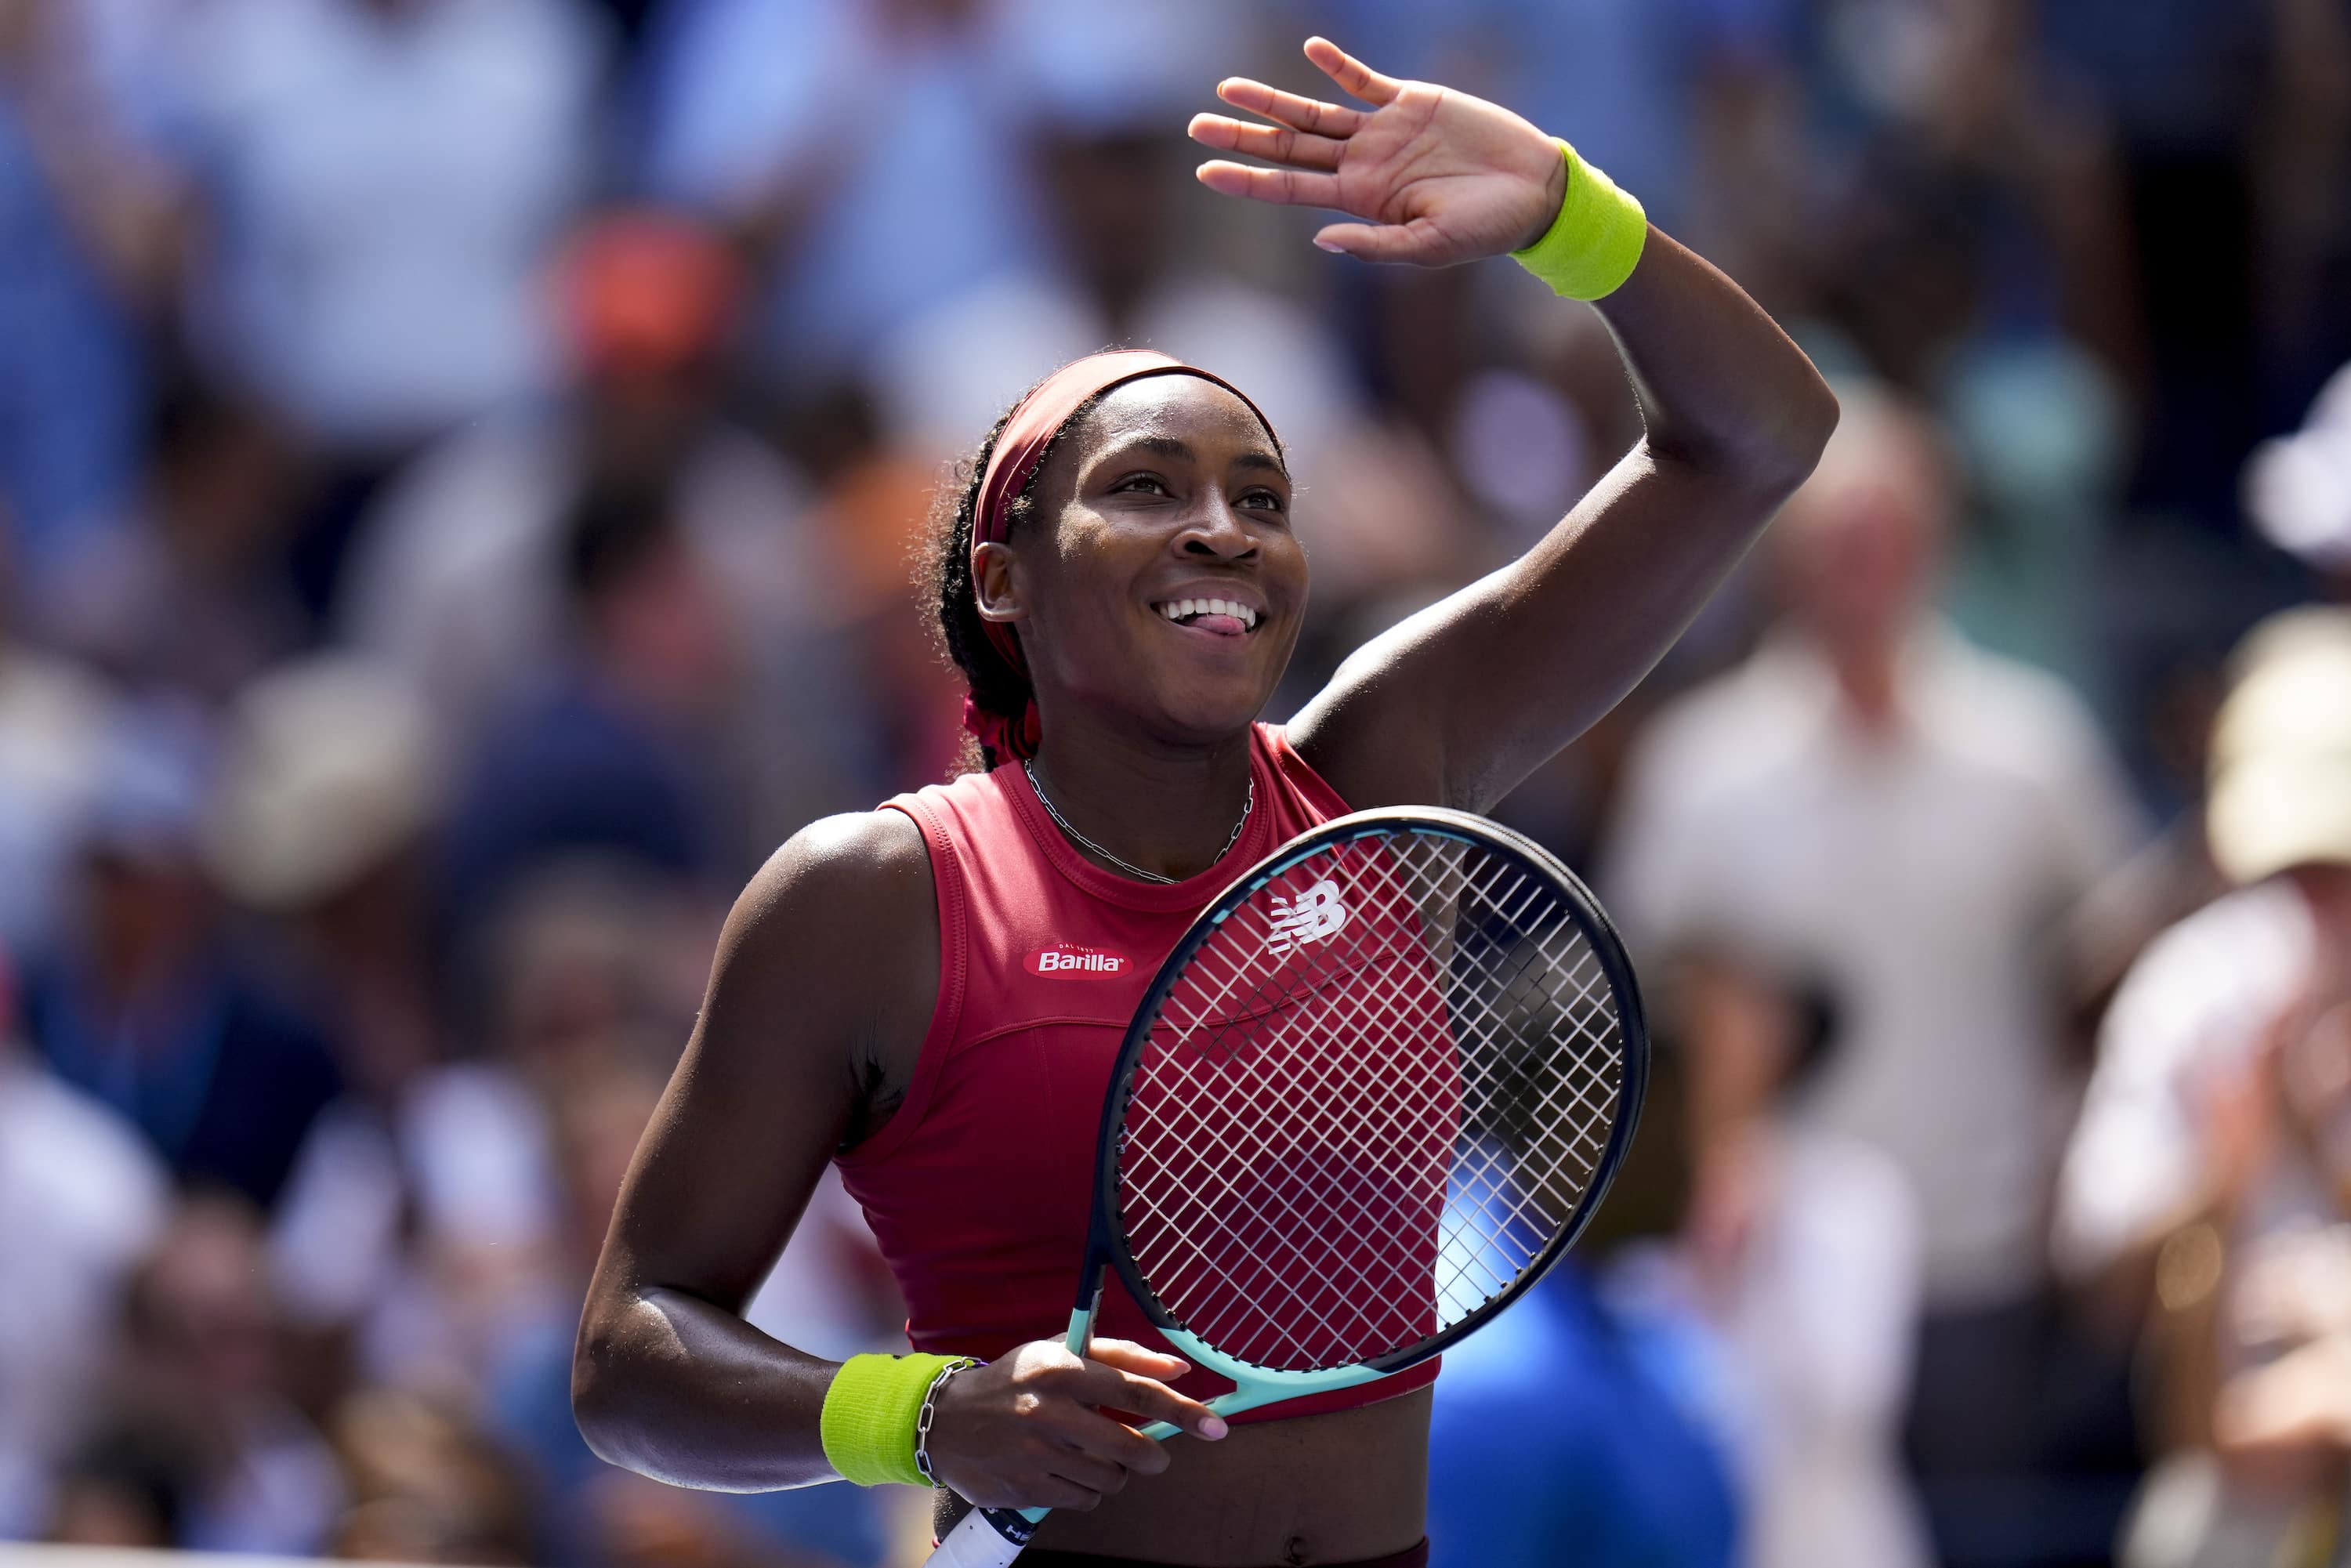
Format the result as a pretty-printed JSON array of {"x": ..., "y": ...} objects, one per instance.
[{"x": 931, "y": 994}]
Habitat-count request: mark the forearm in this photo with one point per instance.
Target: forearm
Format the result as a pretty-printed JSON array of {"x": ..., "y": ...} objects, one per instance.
[
  {"x": 1726, "y": 396},
  {"x": 683, "y": 1391}
]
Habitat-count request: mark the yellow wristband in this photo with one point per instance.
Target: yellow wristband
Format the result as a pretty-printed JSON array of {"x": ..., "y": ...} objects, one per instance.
[
  {"x": 870, "y": 1413},
  {"x": 1592, "y": 248}
]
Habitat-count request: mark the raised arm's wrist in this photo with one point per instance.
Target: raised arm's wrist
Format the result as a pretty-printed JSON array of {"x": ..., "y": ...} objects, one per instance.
[{"x": 1594, "y": 238}]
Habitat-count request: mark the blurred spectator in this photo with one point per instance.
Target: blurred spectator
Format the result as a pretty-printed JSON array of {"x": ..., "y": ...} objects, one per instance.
[
  {"x": 1118, "y": 265},
  {"x": 607, "y": 757},
  {"x": 373, "y": 185},
  {"x": 1804, "y": 1249},
  {"x": 1872, "y": 800},
  {"x": 379, "y": 179},
  {"x": 427, "y": 1487},
  {"x": 419, "y": 1204},
  {"x": 872, "y": 507},
  {"x": 141, "y": 1001},
  {"x": 1594, "y": 1459},
  {"x": 56, "y": 718},
  {"x": 1595, "y": 1405},
  {"x": 2297, "y": 487},
  {"x": 2211, "y": 1178},
  {"x": 2234, "y": 125},
  {"x": 180, "y": 588},
  {"x": 80, "y": 1200},
  {"x": 124, "y": 1488},
  {"x": 867, "y": 149},
  {"x": 462, "y": 579},
  {"x": 70, "y": 372},
  {"x": 200, "y": 1372},
  {"x": 329, "y": 784}
]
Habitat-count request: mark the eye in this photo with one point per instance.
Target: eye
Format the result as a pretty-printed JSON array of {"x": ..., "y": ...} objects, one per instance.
[
  {"x": 1142, "y": 484},
  {"x": 1270, "y": 500}
]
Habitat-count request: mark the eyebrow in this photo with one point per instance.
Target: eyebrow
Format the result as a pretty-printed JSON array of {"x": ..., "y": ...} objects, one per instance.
[{"x": 1170, "y": 446}]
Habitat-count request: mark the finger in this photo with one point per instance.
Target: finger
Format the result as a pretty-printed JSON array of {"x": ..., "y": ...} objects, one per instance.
[
  {"x": 1080, "y": 1468},
  {"x": 1352, "y": 73},
  {"x": 1286, "y": 187},
  {"x": 1117, "y": 1390},
  {"x": 1276, "y": 143},
  {"x": 1375, "y": 242},
  {"x": 1129, "y": 1356},
  {"x": 1299, "y": 113},
  {"x": 1063, "y": 1496},
  {"x": 1105, "y": 1440}
]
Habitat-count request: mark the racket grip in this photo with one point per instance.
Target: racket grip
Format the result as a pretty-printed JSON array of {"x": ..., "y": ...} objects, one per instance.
[{"x": 987, "y": 1538}]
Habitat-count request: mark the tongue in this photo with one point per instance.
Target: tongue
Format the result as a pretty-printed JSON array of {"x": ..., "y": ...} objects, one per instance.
[{"x": 1222, "y": 626}]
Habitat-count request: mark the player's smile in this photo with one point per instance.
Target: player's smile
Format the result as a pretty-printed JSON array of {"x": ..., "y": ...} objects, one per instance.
[{"x": 1224, "y": 611}]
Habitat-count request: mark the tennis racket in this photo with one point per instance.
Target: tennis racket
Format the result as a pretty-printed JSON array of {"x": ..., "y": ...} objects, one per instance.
[{"x": 1377, "y": 1089}]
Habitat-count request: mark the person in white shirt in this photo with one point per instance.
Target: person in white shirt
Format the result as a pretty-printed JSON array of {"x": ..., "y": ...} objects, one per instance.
[
  {"x": 2209, "y": 1181},
  {"x": 1802, "y": 1248},
  {"x": 1872, "y": 800},
  {"x": 379, "y": 181},
  {"x": 82, "y": 1200}
]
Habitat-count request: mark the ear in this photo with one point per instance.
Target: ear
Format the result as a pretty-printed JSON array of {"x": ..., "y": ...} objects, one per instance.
[{"x": 993, "y": 583}]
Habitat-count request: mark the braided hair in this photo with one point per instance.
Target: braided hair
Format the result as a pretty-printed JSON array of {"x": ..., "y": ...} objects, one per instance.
[{"x": 951, "y": 598}]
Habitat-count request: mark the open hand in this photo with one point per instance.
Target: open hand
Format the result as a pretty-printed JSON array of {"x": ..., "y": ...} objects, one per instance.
[
  {"x": 1027, "y": 1431},
  {"x": 1440, "y": 176}
]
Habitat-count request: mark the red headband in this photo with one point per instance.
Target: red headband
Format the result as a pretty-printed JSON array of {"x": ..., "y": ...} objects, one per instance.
[{"x": 1027, "y": 431}]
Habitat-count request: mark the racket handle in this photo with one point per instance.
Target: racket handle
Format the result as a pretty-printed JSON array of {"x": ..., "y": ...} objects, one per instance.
[{"x": 987, "y": 1538}]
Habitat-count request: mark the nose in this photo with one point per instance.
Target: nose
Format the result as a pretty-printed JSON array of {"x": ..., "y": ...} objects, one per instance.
[{"x": 1215, "y": 531}]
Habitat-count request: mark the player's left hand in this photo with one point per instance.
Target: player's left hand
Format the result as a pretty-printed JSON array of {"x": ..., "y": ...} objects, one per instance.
[{"x": 1439, "y": 176}]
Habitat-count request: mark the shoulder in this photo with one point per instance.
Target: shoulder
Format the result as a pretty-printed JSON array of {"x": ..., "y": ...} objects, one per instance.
[
  {"x": 828, "y": 965},
  {"x": 1317, "y": 800},
  {"x": 859, "y": 873},
  {"x": 2208, "y": 982}
]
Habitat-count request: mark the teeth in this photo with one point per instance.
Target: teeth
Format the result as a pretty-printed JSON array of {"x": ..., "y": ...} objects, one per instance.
[{"x": 1178, "y": 609}]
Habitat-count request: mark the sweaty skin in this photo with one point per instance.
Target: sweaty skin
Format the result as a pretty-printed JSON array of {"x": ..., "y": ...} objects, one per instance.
[{"x": 822, "y": 986}]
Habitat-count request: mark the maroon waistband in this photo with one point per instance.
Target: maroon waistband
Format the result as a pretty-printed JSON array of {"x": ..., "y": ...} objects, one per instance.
[{"x": 1410, "y": 1557}]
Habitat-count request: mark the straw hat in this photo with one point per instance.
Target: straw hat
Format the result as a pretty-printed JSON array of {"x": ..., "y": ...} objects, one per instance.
[
  {"x": 330, "y": 767},
  {"x": 2280, "y": 759}
]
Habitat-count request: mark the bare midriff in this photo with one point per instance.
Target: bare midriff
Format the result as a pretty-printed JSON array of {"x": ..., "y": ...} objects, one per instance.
[{"x": 1319, "y": 1490}]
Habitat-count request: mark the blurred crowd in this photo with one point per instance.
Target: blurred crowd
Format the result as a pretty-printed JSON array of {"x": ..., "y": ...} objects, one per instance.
[{"x": 458, "y": 465}]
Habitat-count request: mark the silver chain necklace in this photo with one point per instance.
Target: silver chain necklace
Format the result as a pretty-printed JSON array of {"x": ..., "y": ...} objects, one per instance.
[{"x": 1249, "y": 804}]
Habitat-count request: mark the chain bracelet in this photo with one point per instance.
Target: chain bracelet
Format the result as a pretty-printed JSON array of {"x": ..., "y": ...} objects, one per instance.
[{"x": 930, "y": 1409}]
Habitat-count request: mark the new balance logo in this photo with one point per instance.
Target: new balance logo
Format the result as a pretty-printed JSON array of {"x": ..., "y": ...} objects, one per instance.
[
  {"x": 1070, "y": 959},
  {"x": 1315, "y": 916}
]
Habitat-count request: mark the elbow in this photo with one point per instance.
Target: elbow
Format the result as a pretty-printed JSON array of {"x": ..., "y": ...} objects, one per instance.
[
  {"x": 1768, "y": 454},
  {"x": 1786, "y": 445},
  {"x": 1812, "y": 418},
  {"x": 593, "y": 1391}
]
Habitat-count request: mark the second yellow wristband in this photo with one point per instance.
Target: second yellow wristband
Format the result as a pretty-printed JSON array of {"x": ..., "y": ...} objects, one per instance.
[
  {"x": 870, "y": 1413},
  {"x": 1592, "y": 248}
]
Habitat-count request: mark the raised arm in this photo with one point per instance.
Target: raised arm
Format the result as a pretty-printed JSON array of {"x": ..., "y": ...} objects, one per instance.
[
  {"x": 819, "y": 995},
  {"x": 1465, "y": 699}
]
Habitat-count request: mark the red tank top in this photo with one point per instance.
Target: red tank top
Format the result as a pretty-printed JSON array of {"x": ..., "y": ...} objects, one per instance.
[{"x": 977, "y": 1187}]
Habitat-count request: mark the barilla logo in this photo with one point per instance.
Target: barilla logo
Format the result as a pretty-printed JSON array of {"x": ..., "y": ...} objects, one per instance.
[{"x": 1069, "y": 958}]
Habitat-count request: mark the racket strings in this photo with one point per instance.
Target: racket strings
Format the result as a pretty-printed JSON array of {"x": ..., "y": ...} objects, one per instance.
[
  {"x": 1328, "y": 1152},
  {"x": 1375, "y": 1096}
]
